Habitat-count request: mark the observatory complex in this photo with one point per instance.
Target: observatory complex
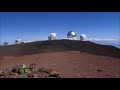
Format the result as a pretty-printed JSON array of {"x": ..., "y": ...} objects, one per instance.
[{"x": 72, "y": 35}]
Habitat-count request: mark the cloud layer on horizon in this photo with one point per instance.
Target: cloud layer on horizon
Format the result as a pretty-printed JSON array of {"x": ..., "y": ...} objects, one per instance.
[{"x": 103, "y": 39}]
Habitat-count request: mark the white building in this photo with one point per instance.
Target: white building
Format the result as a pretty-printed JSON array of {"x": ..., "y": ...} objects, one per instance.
[
  {"x": 82, "y": 37},
  {"x": 52, "y": 36},
  {"x": 18, "y": 41}
]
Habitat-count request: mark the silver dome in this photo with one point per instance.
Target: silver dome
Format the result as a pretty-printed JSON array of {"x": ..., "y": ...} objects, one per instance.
[
  {"x": 71, "y": 34},
  {"x": 82, "y": 37}
]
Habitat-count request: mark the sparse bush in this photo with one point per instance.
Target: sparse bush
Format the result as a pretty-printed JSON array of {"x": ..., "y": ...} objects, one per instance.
[
  {"x": 24, "y": 70},
  {"x": 21, "y": 71}
]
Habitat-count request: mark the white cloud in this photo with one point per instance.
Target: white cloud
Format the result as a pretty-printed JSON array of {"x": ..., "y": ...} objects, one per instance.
[{"x": 103, "y": 39}]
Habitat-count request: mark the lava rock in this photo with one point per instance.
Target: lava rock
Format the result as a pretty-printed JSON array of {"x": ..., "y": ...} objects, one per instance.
[{"x": 54, "y": 74}]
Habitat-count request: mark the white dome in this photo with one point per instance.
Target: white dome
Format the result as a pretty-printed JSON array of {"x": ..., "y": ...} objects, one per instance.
[
  {"x": 82, "y": 37},
  {"x": 19, "y": 40},
  {"x": 53, "y": 34}
]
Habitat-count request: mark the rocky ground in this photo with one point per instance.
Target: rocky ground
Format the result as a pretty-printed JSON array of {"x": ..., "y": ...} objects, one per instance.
[
  {"x": 40, "y": 73},
  {"x": 68, "y": 64}
]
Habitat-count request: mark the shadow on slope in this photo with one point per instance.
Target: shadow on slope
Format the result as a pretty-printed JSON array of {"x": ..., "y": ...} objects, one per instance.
[{"x": 59, "y": 46}]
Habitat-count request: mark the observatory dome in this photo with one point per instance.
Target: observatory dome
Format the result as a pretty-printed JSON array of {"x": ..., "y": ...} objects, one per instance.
[
  {"x": 19, "y": 40},
  {"x": 53, "y": 34},
  {"x": 82, "y": 37},
  {"x": 71, "y": 34}
]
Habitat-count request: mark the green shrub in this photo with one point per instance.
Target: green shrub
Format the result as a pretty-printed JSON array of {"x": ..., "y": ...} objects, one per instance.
[{"x": 24, "y": 70}]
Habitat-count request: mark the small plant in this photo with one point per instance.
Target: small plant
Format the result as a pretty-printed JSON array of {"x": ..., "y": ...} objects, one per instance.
[{"x": 24, "y": 70}]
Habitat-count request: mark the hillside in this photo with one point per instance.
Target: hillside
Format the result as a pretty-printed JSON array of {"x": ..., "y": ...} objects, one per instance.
[
  {"x": 59, "y": 46},
  {"x": 65, "y": 58}
]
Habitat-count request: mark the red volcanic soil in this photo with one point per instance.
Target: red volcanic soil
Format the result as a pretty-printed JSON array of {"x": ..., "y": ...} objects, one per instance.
[
  {"x": 72, "y": 59},
  {"x": 70, "y": 64}
]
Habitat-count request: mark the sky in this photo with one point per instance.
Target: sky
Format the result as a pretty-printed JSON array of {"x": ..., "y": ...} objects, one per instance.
[{"x": 34, "y": 26}]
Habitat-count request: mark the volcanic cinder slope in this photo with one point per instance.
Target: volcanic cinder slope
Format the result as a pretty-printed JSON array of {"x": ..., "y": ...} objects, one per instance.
[{"x": 70, "y": 58}]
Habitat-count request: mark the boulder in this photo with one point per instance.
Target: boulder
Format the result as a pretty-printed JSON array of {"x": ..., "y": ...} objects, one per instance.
[{"x": 54, "y": 74}]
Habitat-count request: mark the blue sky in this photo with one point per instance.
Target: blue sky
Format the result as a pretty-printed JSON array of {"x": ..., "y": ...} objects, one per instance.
[{"x": 38, "y": 25}]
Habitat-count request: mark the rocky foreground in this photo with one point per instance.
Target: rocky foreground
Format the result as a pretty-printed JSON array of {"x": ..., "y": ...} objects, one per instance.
[
  {"x": 70, "y": 64},
  {"x": 31, "y": 73}
]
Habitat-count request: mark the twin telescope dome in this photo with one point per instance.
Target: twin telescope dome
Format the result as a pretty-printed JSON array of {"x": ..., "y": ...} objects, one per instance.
[{"x": 71, "y": 34}]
